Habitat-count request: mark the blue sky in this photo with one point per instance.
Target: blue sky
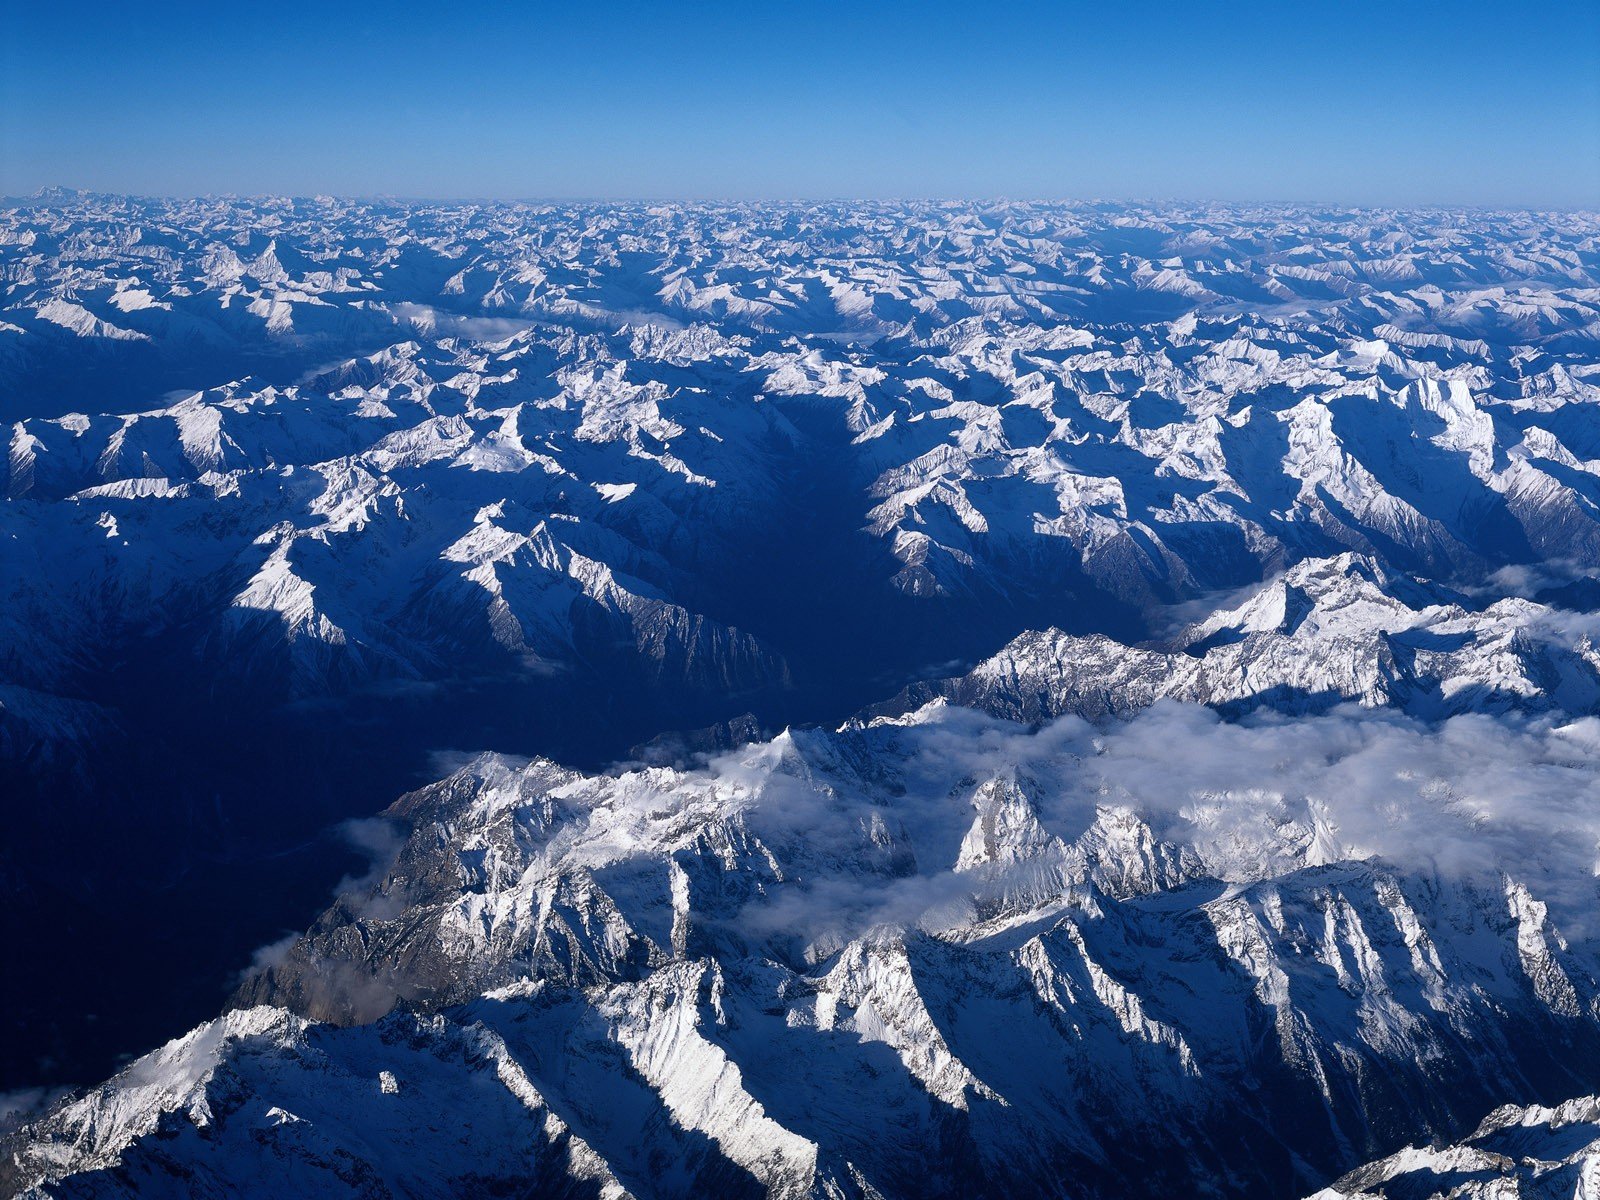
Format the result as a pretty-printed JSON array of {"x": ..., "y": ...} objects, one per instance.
[{"x": 1360, "y": 103}]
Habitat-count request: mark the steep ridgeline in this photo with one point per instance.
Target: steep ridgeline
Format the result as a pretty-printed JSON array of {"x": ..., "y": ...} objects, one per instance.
[
  {"x": 627, "y": 468},
  {"x": 941, "y": 955},
  {"x": 1532, "y": 1153},
  {"x": 1325, "y": 632}
]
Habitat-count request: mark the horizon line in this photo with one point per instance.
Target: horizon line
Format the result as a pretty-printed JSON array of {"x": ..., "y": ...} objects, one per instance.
[{"x": 15, "y": 200}]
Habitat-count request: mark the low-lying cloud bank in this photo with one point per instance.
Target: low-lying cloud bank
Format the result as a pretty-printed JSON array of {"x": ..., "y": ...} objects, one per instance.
[
  {"x": 1470, "y": 792},
  {"x": 942, "y": 821},
  {"x": 1473, "y": 796}
]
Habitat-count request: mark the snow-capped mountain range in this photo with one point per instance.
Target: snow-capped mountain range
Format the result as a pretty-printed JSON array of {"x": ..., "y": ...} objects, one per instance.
[
  {"x": 1185, "y": 621},
  {"x": 1327, "y": 631},
  {"x": 540, "y": 500},
  {"x": 943, "y": 954}
]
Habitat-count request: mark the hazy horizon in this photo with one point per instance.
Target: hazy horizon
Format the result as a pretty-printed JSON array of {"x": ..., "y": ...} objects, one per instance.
[
  {"x": 1361, "y": 104},
  {"x": 1176, "y": 202}
]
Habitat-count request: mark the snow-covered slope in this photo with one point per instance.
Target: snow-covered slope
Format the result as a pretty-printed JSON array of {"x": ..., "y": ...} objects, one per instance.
[
  {"x": 413, "y": 1108},
  {"x": 612, "y": 444},
  {"x": 1535, "y": 1153},
  {"x": 611, "y": 448},
  {"x": 921, "y": 957},
  {"x": 1325, "y": 632},
  {"x": 324, "y": 542}
]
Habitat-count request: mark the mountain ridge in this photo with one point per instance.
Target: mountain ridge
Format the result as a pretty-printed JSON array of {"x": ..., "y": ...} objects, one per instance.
[{"x": 966, "y": 693}]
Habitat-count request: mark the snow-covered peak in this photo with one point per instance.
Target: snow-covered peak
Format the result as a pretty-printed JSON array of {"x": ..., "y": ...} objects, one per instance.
[{"x": 800, "y": 959}]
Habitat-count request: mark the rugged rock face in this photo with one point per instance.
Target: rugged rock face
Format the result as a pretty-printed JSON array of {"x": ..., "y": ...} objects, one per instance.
[
  {"x": 916, "y": 957},
  {"x": 974, "y": 421},
  {"x": 1537, "y": 1153},
  {"x": 354, "y": 1113},
  {"x": 1326, "y": 632}
]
